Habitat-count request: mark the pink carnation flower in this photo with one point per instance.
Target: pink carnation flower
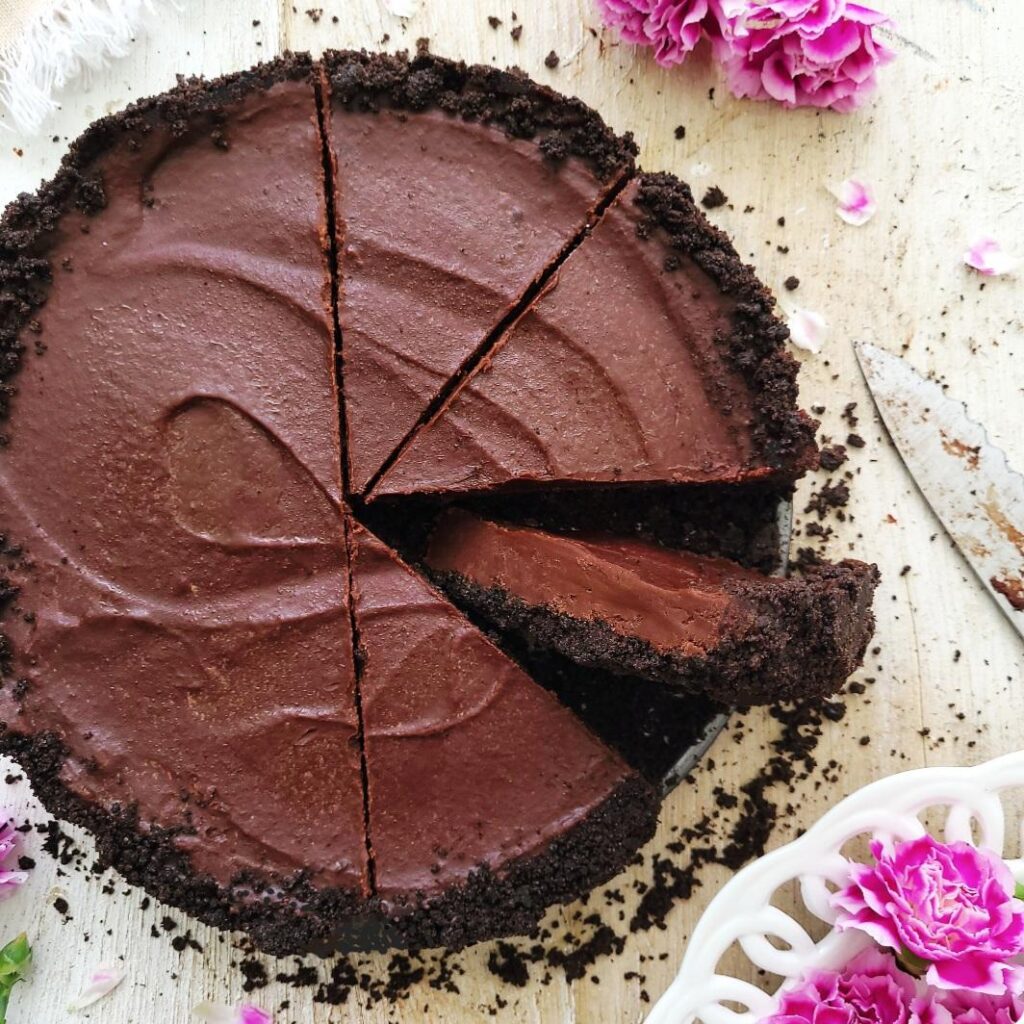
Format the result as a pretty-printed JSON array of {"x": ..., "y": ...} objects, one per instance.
[
  {"x": 672, "y": 27},
  {"x": 803, "y": 53},
  {"x": 10, "y": 878},
  {"x": 869, "y": 990},
  {"x": 951, "y": 905},
  {"x": 974, "y": 1008}
]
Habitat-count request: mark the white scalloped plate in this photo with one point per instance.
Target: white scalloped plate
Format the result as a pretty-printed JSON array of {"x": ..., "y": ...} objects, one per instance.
[{"x": 742, "y": 915}]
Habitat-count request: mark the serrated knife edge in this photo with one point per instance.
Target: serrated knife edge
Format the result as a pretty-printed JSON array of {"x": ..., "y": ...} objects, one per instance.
[{"x": 966, "y": 479}]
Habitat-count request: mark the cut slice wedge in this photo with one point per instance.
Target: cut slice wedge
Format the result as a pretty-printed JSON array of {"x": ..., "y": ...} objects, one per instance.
[
  {"x": 652, "y": 356},
  {"x": 488, "y": 800},
  {"x": 456, "y": 188},
  {"x": 694, "y": 622}
]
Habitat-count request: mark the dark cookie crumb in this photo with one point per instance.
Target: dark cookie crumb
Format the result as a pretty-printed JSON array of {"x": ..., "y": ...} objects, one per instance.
[
  {"x": 713, "y": 198},
  {"x": 603, "y": 942},
  {"x": 832, "y": 457},
  {"x": 304, "y": 976},
  {"x": 505, "y": 962},
  {"x": 829, "y": 496},
  {"x": 254, "y": 973},
  {"x": 182, "y": 942},
  {"x": 791, "y": 283},
  {"x": 552, "y": 60}
]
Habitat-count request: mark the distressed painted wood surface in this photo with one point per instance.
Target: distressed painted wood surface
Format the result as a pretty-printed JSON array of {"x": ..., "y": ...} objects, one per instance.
[{"x": 943, "y": 146}]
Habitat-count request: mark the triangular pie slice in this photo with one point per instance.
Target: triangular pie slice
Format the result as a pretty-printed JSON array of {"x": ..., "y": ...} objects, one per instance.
[
  {"x": 180, "y": 628},
  {"x": 653, "y": 356},
  {"x": 694, "y": 622},
  {"x": 488, "y": 800},
  {"x": 456, "y": 187}
]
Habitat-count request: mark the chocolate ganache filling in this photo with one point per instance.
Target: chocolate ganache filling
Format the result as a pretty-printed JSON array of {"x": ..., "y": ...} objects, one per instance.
[{"x": 174, "y": 481}]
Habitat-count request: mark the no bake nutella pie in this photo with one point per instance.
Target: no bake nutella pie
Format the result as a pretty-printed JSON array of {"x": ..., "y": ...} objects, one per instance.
[{"x": 262, "y": 712}]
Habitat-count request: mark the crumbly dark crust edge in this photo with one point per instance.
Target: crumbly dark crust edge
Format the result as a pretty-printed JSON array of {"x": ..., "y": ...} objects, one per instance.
[
  {"x": 29, "y": 220},
  {"x": 282, "y": 915},
  {"x": 507, "y": 100},
  {"x": 285, "y": 916},
  {"x": 490, "y": 905},
  {"x": 783, "y": 434},
  {"x": 797, "y": 638}
]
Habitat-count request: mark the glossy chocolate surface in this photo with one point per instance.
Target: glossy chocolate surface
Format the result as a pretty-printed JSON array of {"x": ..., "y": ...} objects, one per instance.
[
  {"x": 672, "y": 599},
  {"x": 612, "y": 375},
  {"x": 173, "y": 479},
  {"x": 442, "y": 225},
  {"x": 469, "y": 761}
]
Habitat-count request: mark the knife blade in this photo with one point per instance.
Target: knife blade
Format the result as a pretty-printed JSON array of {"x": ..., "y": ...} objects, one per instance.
[{"x": 966, "y": 479}]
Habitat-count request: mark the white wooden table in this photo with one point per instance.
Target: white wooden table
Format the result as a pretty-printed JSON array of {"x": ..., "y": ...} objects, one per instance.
[{"x": 943, "y": 145}]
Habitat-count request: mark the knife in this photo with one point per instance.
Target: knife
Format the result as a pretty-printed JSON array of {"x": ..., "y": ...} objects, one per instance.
[{"x": 965, "y": 478}]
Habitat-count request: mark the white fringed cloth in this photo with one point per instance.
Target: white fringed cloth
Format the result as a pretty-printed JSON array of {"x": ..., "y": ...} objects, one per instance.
[{"x": 46, "y": 44}]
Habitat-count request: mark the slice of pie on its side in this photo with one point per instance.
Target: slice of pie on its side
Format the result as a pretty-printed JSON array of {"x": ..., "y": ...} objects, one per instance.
[{"x": 694, "y": 622}]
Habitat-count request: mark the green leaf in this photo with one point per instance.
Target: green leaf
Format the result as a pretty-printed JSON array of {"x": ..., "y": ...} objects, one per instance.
[
  {"x": 15, "y": 959},
  {"x": 1018, "y": 891},
  {"x": 911, "y": 961}
]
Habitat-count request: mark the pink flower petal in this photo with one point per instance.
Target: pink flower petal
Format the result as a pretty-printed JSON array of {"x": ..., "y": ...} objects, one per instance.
[
  {"x": 871, "y": 989},
  {"x": 965, "y": 1007},
  {"x": 835, "y": 44},
  {"x": 951, "y": 905},
  {"x": 249, "y": 1014},
  {"x": 777, "y": 78},
  {"x": 856, "y": 202},
  {"x": 215, "y": 1013},
  {"x": 987, "y": 257},
  {"x": 807, "y": 329},
  {"x": 10, "y": 843},
  {"x": 672, "y": 27},
  {"x": 102, "y": 982}
]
